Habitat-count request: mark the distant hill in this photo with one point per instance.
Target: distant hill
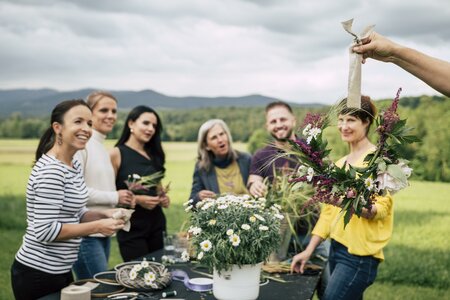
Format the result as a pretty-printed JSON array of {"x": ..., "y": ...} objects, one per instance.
[{"x": 38, "y": 102}]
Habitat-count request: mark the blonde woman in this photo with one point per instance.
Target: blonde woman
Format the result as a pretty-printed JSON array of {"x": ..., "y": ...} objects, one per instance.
[{"x": 100, "y": 180}]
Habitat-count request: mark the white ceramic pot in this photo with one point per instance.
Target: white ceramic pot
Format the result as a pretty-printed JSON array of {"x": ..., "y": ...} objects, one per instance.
[{"x": 239, "y": 283}]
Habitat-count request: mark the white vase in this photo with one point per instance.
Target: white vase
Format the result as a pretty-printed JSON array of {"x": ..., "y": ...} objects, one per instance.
[{"x": 239, "y": 283}]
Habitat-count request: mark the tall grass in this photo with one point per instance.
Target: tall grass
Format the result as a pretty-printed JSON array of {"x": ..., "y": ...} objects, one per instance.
[{"x": 417, "y": 258}]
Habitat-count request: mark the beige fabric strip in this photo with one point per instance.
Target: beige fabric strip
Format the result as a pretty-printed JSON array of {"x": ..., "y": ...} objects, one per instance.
[{"x": 354, "y": 75}]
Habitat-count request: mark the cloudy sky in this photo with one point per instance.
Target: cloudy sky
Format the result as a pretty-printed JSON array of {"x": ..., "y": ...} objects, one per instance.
[{"x": 292, "y": 50}]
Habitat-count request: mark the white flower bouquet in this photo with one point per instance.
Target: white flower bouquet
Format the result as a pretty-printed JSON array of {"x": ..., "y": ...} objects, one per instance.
[{"x": 233, "y": 230}]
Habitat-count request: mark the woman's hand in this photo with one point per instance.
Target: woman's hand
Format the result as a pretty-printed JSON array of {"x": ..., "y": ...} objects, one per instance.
[
  {"x": 165, "y": 201},
  {"x": 126, "y": 198},
  {"x": 148, "y": 202},
  {"x": 109, "y": 226},
  {"x": 203, "y": 194},
  {"x": 299, "y": 261}
]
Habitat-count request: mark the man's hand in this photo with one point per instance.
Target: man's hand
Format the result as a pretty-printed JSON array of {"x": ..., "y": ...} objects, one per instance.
[{"x": 258, "y": 189}]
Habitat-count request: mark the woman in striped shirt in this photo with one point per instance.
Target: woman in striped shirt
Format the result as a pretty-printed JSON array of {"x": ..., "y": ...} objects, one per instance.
[{"x": 56, "y": 213}]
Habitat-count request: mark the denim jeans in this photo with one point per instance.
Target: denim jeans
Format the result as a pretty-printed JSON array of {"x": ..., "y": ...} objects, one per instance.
[
  {"x": 92, "y": 257},
  {"x": 350, "y": 274}
]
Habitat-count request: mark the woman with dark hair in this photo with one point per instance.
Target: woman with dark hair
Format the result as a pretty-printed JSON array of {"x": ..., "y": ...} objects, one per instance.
[
  {"x": 101, "y": 182},
  {"x": 219, "y": 168},
  {"x": 139, "y": 151},
  {"x": 56, "y": 207},
  {"x": 356, "y": 250}
]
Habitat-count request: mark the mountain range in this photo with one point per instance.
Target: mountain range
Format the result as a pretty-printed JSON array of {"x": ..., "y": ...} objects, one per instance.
[{"x": 40, "y": 102}]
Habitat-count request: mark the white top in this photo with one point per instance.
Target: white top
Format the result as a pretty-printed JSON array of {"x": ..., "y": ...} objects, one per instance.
[
  {"x": 56, "y": 195},
  {"x": 98, "y": 173}
]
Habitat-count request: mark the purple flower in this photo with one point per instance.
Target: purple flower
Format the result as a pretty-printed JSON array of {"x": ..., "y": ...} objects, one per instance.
[
  {"x": 316, "y": 120},
  {"x": 390, "y": 117}
]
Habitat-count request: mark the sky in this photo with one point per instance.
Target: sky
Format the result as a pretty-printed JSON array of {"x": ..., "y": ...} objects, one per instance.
[{"x": 291, "y": 50}]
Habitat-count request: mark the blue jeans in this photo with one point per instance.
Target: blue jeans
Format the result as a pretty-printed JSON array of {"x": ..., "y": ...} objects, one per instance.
[
  {"x": 92, "y": 257},
  {"x": 350, "y": 274}
]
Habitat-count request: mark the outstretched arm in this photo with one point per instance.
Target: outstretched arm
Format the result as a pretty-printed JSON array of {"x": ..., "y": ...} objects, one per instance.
[{"x": 434, "y": 72}]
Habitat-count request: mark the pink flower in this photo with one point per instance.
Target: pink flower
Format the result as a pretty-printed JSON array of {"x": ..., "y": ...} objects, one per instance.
[{"x": 351, "y": 193}]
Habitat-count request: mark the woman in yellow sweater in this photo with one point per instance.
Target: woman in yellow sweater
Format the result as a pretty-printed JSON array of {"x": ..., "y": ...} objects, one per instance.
[{"x": 356, "y": 250}]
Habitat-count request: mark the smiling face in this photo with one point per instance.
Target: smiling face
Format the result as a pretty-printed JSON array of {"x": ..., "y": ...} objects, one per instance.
[
  {"x": 104, "y": 115},
  {"x": 217, "y": 141},
  {"x": 280, "y": 123},
  {"x": 76, "y": 128},
  {"x": 144, "y": 128},
  {"x": 352, "y": 129}
]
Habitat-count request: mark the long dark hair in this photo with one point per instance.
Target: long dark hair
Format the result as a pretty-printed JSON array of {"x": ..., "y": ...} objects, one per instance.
[
  {"x": 48, "y": 138},
  {"x": 153, "y": 148}
]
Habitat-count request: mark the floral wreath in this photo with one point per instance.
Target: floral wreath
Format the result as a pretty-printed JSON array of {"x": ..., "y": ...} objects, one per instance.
[{"x": 349, "y": 187}]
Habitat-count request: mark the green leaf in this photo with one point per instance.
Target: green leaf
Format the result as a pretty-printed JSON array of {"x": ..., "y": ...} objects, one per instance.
[
  {"x": 396, "y": 172},
  {"x": 382, "y": 166}
]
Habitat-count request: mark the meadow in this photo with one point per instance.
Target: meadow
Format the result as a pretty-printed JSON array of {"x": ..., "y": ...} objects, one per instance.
[{"x": 417, "y": 258}]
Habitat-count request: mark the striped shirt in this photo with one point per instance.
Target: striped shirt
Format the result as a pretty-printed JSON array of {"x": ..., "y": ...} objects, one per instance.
[{"x": 56, "y": 195}]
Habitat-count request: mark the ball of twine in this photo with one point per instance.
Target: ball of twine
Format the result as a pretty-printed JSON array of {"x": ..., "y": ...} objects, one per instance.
[{"x": 162, "y": 280}]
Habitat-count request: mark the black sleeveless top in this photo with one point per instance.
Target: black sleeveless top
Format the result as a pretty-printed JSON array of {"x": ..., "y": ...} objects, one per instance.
[
  {"x": 144, "y": 222},
  {"x": 132, "y": 162}
]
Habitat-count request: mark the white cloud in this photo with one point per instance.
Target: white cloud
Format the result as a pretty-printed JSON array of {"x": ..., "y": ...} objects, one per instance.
[{"x": 293, "y": 50}]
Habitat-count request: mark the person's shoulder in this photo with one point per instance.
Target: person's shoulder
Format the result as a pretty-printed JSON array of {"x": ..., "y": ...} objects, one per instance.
[
  {"x": 243, "y": 155},
  {"x": 114, "y": 152},
  {"x": 264, "y": 151},
  {"x": 47, "y": 166}
]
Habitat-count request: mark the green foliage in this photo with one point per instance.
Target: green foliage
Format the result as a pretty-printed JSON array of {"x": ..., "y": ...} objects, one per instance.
[{"x": 259, "y": 139}]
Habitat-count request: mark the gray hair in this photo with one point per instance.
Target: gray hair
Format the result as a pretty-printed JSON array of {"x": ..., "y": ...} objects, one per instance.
[{"x": 205, "y": 157}]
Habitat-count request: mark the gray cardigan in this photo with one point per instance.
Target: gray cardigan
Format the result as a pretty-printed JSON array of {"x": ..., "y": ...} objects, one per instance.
[{"x": 207, "y": 180}]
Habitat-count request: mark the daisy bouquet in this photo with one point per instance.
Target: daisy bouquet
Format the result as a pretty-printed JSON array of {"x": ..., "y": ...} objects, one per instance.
[
  {"x": 233, "y": 230},
  {"x": 353, "y": 189}
]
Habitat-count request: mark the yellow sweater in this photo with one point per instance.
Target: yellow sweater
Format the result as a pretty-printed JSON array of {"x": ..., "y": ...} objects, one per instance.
[{"x": 361, "y": 236}]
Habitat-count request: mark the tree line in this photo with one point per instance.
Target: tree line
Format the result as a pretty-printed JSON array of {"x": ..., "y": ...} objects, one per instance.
[{"x": 429, "y": 115}]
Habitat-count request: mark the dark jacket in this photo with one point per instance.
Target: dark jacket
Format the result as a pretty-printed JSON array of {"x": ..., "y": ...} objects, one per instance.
[{"x": 203, "y": 180}]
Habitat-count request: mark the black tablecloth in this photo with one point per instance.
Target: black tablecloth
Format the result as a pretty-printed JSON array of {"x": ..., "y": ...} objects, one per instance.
[{"x": 297, "y": 287}]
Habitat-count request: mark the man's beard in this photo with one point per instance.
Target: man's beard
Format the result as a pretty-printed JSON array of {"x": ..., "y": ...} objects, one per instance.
[{"x": 283, "y": 139}]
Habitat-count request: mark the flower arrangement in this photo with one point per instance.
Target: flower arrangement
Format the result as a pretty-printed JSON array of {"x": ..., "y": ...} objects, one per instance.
[
  {"x": 142, "y": 184},
  {"x": 348, "y": 187},
  {"x": 143, "y": 275},
  {"x": 233, "y": 230}
]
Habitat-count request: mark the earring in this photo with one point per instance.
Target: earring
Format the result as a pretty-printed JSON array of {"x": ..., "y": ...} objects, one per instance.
[
  {"x": 59, "y": 139},
  {"x": 131, "y": 130}
]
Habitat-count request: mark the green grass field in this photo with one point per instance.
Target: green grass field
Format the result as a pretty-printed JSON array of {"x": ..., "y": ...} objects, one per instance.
[{"x": 417, "y": 258}]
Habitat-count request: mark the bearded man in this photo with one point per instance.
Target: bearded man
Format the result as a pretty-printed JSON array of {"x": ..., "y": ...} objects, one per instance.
[{"x": 268, "y": 161}]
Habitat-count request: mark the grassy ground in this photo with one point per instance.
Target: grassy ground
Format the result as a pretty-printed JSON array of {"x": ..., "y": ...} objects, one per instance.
[{"x": 417, "y": 258}]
